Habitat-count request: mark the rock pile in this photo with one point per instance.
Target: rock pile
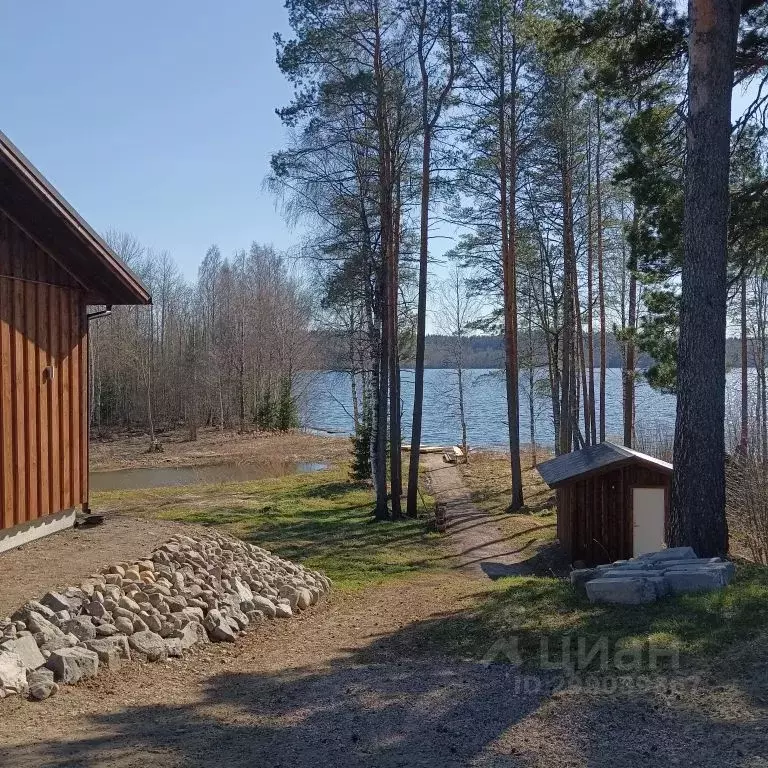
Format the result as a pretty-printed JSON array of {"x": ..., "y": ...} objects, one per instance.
[
  {"x": 646, "y": 578},
  {"x": 191, "y": 590}
]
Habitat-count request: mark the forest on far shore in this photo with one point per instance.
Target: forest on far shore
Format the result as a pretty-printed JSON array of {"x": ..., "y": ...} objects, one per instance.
[{"x": 487, "y": 351}]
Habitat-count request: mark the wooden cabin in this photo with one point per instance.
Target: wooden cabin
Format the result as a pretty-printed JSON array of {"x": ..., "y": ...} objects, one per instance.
[
  {"x": 52, "y": 266},
  {"x": 612, "y": 502}
]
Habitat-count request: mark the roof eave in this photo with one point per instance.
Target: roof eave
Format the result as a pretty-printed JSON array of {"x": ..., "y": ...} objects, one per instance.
[{"x": 136, "y": 291}]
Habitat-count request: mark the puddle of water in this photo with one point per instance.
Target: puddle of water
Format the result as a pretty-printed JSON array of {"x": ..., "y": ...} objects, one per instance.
[{"x": 163, "y": 477}]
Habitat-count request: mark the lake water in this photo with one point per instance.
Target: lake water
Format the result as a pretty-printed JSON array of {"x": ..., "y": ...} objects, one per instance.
[
  {"x": 159, "y": 477},
  {"x": 325, "y": 403}
]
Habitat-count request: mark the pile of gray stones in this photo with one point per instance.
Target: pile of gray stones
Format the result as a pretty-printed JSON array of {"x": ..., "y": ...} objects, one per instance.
[
  {"x": 646, "y": 578},
  {"x": 190, "y": 591}
]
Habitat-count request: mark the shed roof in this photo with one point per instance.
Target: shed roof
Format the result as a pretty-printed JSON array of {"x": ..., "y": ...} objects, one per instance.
[
  {"x": 30, "y": 200},
  {"x": 594, "y": 460}
]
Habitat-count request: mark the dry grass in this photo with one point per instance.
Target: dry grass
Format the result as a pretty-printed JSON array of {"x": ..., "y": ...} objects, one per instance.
[{"x": 489, "y": 477}]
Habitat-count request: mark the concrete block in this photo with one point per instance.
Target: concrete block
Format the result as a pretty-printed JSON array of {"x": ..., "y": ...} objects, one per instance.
[
  {"x": 624, "y": 573},
  {"x": 694, "y": 580},
  {"x": 672, "y": 553},
  {"x": 624, "y": 591}
]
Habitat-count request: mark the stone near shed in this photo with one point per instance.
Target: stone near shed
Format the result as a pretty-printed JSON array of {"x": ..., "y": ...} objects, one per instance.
[
  {"x": 626, "y": 591},
  {"x": 304, "y": 599},
  {"x": 660, "y": 585},
  {"x": 70, "y": 665},
  {"x": 13, "y": 673},
  {"x": 139, "y": 625},
  {"x": 148, "y": 644},
  {"x": 672, "y": 553},
  {"x": 25, "y": 647},
  {"x": 695, "y": 580},
  {"x": 81, "y": 627},
  {"x": 106, "y": 630},
  {"x": 623, "y": 573}
]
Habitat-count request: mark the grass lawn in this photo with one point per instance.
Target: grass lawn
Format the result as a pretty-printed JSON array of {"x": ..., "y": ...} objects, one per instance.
[
  {"x": 320, "y": 519},
  {"x": 703, "y": 627}
]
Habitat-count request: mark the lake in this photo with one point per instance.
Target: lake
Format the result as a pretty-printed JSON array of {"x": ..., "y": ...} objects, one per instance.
[{"x": 325, "y": 403}]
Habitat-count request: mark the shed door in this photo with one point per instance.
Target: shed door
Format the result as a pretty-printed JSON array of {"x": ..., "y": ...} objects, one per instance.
[{"x": 648, "y": 520}]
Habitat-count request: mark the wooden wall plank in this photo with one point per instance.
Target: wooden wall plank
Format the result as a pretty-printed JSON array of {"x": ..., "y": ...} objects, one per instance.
[
  {"x": 7, "y": 466},
  {"x": 32, "y": 511},
  {"x": 65, "y": 438},
  {"x": 54, "y": 442},
  {"x": 41, "y": 361},
  {"x": 18, "y": 389}
]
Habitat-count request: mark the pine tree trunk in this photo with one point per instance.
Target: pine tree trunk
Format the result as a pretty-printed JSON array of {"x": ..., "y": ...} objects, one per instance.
[
  {"x": 600, "y": 276},
  {"x": 744, "y": 431},
  {"x": 697, "y": 516},
  {"x": 629, "y": 364},
  {"x": 421, "y": 319},
  {"x": 589, "y": 398},
  {"x": 508, "y": 205}
]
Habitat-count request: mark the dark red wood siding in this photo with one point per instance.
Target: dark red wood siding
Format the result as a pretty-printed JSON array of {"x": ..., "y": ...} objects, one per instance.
[
  {"x": 595, "y": 523},
  {"x": 43, "y": 382}
]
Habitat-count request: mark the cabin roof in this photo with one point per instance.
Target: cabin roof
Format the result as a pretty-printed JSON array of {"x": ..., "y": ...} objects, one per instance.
[
  {"x": 31, "y": 201},
  {"x": 593, "y": 460}
]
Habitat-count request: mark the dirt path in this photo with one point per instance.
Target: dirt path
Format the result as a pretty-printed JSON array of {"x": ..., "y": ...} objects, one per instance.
[{"x": 480, "y": 545}]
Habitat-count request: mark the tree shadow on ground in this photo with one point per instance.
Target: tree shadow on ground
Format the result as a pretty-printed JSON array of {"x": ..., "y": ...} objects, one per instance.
[{"x": 407, "y": 699}]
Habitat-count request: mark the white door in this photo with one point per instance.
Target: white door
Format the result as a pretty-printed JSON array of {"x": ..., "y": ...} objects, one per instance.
[{"x": 648, "y": 518}]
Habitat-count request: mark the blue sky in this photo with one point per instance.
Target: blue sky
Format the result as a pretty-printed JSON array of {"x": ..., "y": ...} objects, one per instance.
[{"x": 156, "y": 118}]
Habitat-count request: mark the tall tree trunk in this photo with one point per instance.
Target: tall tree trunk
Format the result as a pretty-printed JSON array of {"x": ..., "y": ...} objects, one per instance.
[
  {"x": 600, "y": 275},
  {"x": 744, "y": 430},
  {"x": 629, "y": 363},
  {"x": 697, "y": 517},
  {"x": 589, "y": 397},
  {"x": 395, "y": 439},
  {"x": 421, "y": 307},
  {"x": 568, "y": 398},
  {"x": 508, "y": 206},
  {"x": 385, "y": 209}
]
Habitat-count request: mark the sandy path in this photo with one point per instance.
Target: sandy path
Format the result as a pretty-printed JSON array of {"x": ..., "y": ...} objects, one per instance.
[{"x": 479, "y": 543}]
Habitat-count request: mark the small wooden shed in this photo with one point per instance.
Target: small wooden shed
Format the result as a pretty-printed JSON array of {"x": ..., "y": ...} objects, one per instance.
[
  {"x": 52, "y": 266},
  {"x": 612, "y": 502}
]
